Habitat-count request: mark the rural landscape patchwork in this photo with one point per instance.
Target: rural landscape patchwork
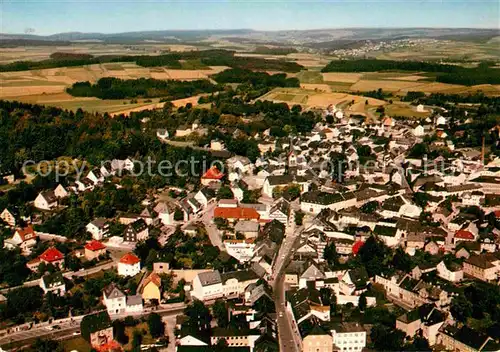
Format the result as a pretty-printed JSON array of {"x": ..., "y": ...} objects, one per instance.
[{"x": 328, "y": 181}]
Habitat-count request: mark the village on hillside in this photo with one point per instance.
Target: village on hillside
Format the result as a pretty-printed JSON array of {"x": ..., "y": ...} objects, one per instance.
[{"x": 360, "y": 234}]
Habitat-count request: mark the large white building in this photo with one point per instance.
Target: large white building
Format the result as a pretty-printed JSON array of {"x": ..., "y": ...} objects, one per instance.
[
  {"x": 349, "y": 337},
  {"x": 242, "y": 250}
]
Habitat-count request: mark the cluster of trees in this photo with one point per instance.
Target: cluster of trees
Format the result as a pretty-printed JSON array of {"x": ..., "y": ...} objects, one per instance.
[
  {"x": 482, "y": 74},
  {"x": 256, "y": 79},
  {"x": 182, "y": 251},
  {"x": 116, "y": 88}
]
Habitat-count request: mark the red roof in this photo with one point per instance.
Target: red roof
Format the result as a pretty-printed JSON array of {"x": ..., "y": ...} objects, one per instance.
[
  {"x": 236, "y": 213},
  {"x": 94, "y": 246},
  {"x": 213, "y": 174},
  {"x": 357, "y": 246},
  {"x": 497, "y": 213},
  {"x": 130, "y": 259},
  {"x": 52, "y": 255},
  {"x": 26, "y": 233},
  {"x": 464, "y": 234}
]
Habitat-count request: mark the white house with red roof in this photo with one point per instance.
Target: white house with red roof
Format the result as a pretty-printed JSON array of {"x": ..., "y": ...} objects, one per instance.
[
  {"x": 94, "y": 249},
  {"x": 212, "y": 175},
  {"x": 24, "y": 238},
  {"x": 52, "y": 256},
  {"x": 129, "y": 265}
]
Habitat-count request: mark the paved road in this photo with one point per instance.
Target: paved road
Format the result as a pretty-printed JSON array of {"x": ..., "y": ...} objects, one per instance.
[
  {"x": 288, "y": 338},
  {"x": 206, "y": 217},
  {"x": 72, "y": 328}
]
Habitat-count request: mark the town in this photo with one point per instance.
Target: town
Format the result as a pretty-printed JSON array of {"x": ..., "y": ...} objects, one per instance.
[{"x": 344, "y": 233}]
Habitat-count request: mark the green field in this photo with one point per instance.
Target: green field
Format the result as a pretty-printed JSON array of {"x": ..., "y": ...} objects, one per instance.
[{"x": 313, "y": 77}]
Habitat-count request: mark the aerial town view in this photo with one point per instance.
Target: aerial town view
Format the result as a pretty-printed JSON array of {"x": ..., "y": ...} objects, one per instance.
[{"x": 249, "y": 176}]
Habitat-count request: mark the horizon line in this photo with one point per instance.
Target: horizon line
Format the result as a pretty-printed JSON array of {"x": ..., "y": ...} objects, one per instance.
[{"x": 249, "y": 29}]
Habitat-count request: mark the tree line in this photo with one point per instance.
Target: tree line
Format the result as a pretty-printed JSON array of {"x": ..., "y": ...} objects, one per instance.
[{"x": 116, "y": 88}]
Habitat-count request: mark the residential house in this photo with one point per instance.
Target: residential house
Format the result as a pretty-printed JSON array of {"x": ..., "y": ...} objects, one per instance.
[
  {"x": 349, "y": 337},
  {"x": 248, "y": 228},
  {"x": 242, "y": 250},
  {"x": 94, "y": 249},
  {"x": 421, "y": 269},
  {"x": 46, "y": 200},
  {"x": 234, "y": 283},
  {"x": 465, "y": 339},
  {"x": 52, "y": 256},
  {"x": 306, "y": 303},
  {"x": 451, "y": 272},
  {"x": 235, "y": 338},
  {"x": 212, "y": 175},
  {"x": 162, "y": 134},
  {"x": 484, "y": 267},
  {"x": 166, "y": 212},
  {"x": 151, "y": 288},
  {"x": 129, "y": 265},
  {"x": 237, "y": 213},
  {"x": 98, "y": 228},
  {"x": 24, "y": 238},
  {"x": 207, "y": 286},
  {"x": 10, "y": 217},
  {"x": 425, "y": 321},
  {"x": 205, "y": 195},
  {"x": 280, "y": 211},
  {"x": 133, "y": 304},
  {"x": 136, "y": 231},
  {"x": 53, "y": 283},
  {"x": 354, "y": 282},
  {"x": 272, "y": 182},
  {"x": 114, "y": 299},
  {"x": 317, "y": 340},
  {"x": 95, "y": 176}
]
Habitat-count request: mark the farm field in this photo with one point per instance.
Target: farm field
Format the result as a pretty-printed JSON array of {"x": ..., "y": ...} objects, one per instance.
[
  {"x": 48, "y": 86},
  {"x": 37, "y": 53},
  {"x": 398, "y": 83},
  {"x": 312, "y": 98},
  {"x": 351, "y": 104},
  {"x": 444, "y": 50}
]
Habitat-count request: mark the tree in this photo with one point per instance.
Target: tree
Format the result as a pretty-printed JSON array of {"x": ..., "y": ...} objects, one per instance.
[
  {"x": 330, "y": 254},
  {"x": 46, "y": 346},
  {"x": 156, "y": 326},
  {"x": 119, "y": 332},
  {"x": 178, "y": 215},
  {"x": 326, "y": 295},
  {"x": 362, "y": 302},
  {"x": 418, "y": 344},
  {"x": 385, "y": 338},
  {"x": 199, "y": 318},
  {"x": 461, "y": 308},
  {"x": 402, "y": 260},
  {"x": 221, "y": 345},
  {"x": 299, "y": 218},
  {"x": 374, "y": 255},
  {"x": 221, "y": 313},
  {"x": 225, "y": 193},
  {"x": 136, "y": 340}
]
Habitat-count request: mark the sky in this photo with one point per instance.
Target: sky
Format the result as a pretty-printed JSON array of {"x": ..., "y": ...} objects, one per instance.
[{"x": 45, "y": 17}]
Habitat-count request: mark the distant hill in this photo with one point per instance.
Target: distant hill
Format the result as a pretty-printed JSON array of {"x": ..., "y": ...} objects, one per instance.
[{"x": 314, "y": 38}]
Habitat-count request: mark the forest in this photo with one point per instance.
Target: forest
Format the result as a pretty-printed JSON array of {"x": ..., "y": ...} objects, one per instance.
[
  {"x": 256, "y": 79},
  {"x": 482, "y": 74},
  {"x": 116, "y": 88},
  {"x": 171, "y": 60}
]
